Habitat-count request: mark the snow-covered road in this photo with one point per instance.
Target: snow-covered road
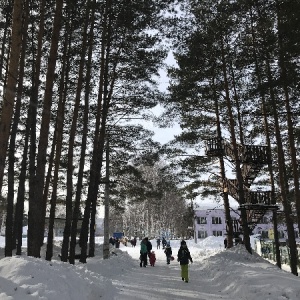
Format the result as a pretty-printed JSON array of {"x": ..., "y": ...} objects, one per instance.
[
  {"x": 163, "y": 282},
  {"x": 215, "y": 274}
]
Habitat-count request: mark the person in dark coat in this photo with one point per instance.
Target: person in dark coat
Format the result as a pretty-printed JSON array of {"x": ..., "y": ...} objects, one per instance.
[
  {"x": 158, "y": 243},
  {"x": 164, "y": 242},
  {"x": 133, "y": 242},
  {"x": 149, "y": 246},
  {"x": 168, "y": 252},
  {"x": 112, "y": 240},
  {"x": 117, "y": 243},
  {"x": 225, "y": 243},
  {"x": 143, "y": 253},
  {"x": 184, "y": 257}
]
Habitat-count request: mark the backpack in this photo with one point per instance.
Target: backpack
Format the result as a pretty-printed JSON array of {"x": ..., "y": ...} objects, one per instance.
[
  {"x": 149, "y": 246},
  {"x": 183, "y": 256}
]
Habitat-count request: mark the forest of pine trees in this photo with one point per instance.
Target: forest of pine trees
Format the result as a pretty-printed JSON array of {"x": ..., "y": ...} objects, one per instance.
[
  {"x": 237, "y": 80},
  {"x": 74, "y": 73}
]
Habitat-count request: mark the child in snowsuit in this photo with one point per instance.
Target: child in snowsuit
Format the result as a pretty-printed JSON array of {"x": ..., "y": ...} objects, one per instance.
[
  {"x": 152, "y": 258},
  {"x": 184, "y": 257},
  {"x": 168, "y": 252}
]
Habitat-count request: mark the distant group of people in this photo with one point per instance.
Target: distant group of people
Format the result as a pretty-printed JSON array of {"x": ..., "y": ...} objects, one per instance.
[
  {"x": 163, "y": 241},
  {"x": 116, "y": 241},
  {"x": 183, "y": 255}
]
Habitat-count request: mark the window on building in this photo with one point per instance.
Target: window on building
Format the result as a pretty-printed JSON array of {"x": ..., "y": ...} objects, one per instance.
[
  {"x": 281, "y": 234},
  {"x": 201, "y": 220},
  {"x": 216, "y": 220},
  {"x": 296, "y": 234},
  {"x": 264, "y": 234},
  {"x": 217, "y": 233},
  {"x": 202, "y": 234}
]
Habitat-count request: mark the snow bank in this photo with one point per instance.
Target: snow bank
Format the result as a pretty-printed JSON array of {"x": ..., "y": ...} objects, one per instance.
[{"x": 41, "y": 279}]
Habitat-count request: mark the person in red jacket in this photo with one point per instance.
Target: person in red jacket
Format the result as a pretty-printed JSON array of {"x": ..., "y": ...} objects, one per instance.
[
  {"x": 183, "y": 257},
  {"x": 152, "y": 258}
]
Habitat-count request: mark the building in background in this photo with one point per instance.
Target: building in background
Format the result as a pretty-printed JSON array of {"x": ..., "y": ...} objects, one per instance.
[{"x": 212, "y": 222}]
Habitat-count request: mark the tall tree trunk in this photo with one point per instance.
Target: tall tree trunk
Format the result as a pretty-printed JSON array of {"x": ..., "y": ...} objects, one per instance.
[
  {"x": 75, "y": 215},
  {"x": 93, "y": 169},
  {"x": 18, "y": 224},
  {"x": 229, "y": 227},
  {"x": 283, "y": 179},
  {"x": 10, "y": 90},
  {"x": 56, "y": 149},
  {"x": 49, "y": 251},
  {"x": 63, "y": 89},
  {"x": 35, "y": 213},
  {"x": 5, "y": 37},
  {"x": 32, "y": 117},
  {"x": 236, "y": 101},
  {"x": 47, "y": 185},
  {"x": 106, "y": 206},
  {"x": 268, "y": 141},
  {"x": 83, "y": 141},
  {"x": 10, "y": 238},
  {"x": 29, "y": 134},
  {"x": 68, "y": 223},
  {"x": 291, "y": 133},
  {"x": 107, "y": 95},
  {"x": 236, "y": 155}
]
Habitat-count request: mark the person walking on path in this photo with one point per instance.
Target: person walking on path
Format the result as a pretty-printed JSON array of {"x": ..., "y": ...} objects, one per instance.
[
  {"x": 168, "y": 252},
  {"x": 134, "y": 242},
  {"x": 143, "y": 253},
  {"x": 112, "y": 240},
  {"x": 152, "y": 258},
  {"x": 158, "y": 243},
  {"x": 183, "y": 257},
  {"x": 149, "y": 246},
  {"x": 164, "y": 242},
  {"x": 117, "y": 243}
]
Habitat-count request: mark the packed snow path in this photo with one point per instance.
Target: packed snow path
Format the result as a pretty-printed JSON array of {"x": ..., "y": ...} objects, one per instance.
[
  {"x": 163, "y": 282},
  {"x": 215, "y": 274}
]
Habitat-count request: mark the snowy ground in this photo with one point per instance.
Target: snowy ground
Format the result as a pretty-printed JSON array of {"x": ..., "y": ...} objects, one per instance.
[{"x": 215, "y": 274}]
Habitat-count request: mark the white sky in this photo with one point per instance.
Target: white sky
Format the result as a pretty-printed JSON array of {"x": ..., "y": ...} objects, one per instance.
[{"x": 215, "y": 274}]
